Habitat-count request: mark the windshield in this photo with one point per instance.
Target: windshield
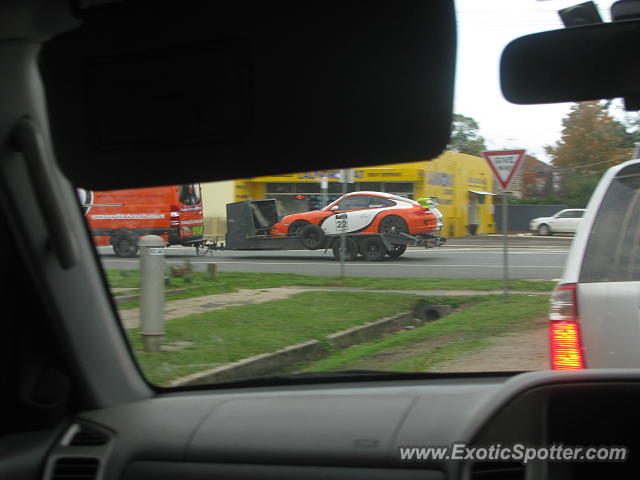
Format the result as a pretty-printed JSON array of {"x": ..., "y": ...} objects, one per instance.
[
  {"x": 189, "y": 194},
  {"x": 263, "y": 277},
  {"x": 618, "y": 259}
]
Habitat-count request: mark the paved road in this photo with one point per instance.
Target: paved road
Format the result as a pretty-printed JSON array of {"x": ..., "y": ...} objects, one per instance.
[{"x": 463, "y": 258}]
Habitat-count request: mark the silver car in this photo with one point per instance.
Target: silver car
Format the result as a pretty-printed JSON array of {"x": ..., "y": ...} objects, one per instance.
[
  {"x": 564, "y": 221},
  {"x": 595, "y": 310}
]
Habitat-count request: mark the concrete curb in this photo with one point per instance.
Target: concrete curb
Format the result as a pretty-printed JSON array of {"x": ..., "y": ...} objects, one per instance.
[
  {"x": 368, "y": 331},
  {"x": 267, "y": 363},
  {"x": 255, "y": 366}
]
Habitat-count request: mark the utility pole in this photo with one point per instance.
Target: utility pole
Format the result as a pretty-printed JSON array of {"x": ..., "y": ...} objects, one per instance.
[
  {"x": 324, "y": 185},
  {"x": 346, "y": 176}
]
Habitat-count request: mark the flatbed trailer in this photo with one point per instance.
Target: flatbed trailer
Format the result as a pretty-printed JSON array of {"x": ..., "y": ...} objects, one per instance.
[{"x": 249, "y": 229}]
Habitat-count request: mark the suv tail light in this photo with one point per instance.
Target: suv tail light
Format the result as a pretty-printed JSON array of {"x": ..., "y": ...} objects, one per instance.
[{"x": 564, "y": 329}]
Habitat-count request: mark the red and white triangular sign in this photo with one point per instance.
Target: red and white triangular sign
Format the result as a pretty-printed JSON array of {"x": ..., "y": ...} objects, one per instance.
[{"x": 504, "y": 164}]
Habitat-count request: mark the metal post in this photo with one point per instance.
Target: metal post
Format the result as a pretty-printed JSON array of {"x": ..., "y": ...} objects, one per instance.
[
  {"x": 346, "y": 176},
  {"x": 343, "y": 237},
  {"x": 324, "y": 185},
  {"x": 505, "y": 258},
  {"x": 151, "y": 291}
]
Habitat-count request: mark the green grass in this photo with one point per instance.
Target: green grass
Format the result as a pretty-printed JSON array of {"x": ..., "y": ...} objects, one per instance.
[
  {"x": 200, "y": 284},
  {"x": 235, "y": 333},
  {"x": 449, "y": 337},
  {"x": 445, "y": 284}
]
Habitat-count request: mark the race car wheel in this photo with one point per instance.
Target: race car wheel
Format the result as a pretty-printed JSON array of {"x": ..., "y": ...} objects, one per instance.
[
  {"x": 372, "y": 249},
  {"x": 544, "y": 230},
  {"x": 312, "y": 237},
  {"x": 393, "y": 224},
  {"x": 350, "y": 251},
  {"x": 125, "y": 243},
  {"x": 296, "y": 227},
  {"x": 397, "y": 251}
]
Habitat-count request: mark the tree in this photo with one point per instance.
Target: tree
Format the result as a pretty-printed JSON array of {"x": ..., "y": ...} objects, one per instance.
[
  {"x": 592, "y": 140},
  {"x": 465, "y": 136},
  {"x": 580, "y": 190},
  {"x": 536, "y": 178}
]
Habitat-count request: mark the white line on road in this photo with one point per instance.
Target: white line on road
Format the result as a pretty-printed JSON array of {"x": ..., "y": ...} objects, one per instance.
[
  {"x": 350, "y": 265},
  {"x": 411, "y": 249},
  {"x": 496, "y": 251}
]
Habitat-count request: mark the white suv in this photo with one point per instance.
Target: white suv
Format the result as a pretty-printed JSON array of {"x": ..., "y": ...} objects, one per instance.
[
  {"x": 565, "y": 221},
  {"x": 595, "y": 310}
]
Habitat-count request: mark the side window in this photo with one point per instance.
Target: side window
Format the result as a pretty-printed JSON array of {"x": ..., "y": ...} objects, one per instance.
[
  {"x": 379, "y": 202},
  {"x": 613, "y": 249},
  {"x": 354, "y": 202},
  {"x": 565, "y": 215},
  {"x": 578, "y": 214}
]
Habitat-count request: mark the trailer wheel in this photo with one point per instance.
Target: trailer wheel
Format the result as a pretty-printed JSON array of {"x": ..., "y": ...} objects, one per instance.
[
  {"x": 350, "y": 250},
  {"x": 372, "y": 249},
  {"x": 125, "y": 243},
  {"x": 312, "y": 237},
  {"x": 397, "y": 251}
]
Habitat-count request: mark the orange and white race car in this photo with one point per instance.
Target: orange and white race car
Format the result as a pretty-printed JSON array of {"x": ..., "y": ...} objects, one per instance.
[{"x": 366, "y": 213}]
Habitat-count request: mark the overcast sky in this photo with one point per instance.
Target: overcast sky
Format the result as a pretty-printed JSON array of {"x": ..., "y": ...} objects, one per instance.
[{"x": 485, "y": 27}]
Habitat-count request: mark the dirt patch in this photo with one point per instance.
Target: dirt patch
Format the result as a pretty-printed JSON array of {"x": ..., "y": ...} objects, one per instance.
[
  {"x": 207, "y": 303},
  {"x": 517, "y": 351},
  {"x": 384, "y": 360}
]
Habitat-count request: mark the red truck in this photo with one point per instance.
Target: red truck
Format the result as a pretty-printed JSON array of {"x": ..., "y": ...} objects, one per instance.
[{"x": 120, "y": 217}]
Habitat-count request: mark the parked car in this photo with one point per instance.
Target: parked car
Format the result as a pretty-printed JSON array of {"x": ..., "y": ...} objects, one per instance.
[
  {"x": 565, "y": 221},
  {"x": 594, "y": 319},
  {"x": 366, "y": 212}
]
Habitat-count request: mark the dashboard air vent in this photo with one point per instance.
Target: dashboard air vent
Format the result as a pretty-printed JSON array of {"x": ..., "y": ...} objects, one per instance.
[
  {"x": 497, "y": 471},
  {"x": 75, "y": 468},
  {"x": 86, "y": 436}
]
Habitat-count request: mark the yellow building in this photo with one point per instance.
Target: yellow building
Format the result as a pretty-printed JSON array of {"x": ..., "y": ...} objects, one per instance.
[
  {"x": 462, "y": 182},
  {"x": 215, "y": 196}
]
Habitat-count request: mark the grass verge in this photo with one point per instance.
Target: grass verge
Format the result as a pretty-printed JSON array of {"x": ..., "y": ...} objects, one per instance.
[
  {"x": 199, "y": 284},
  {"x": 424, "y": 347},
  {"x": 223, "y": 336}
]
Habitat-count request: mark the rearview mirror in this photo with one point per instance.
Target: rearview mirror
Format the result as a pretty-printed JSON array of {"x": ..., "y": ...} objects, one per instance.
[{"x": 573, "y": 64}]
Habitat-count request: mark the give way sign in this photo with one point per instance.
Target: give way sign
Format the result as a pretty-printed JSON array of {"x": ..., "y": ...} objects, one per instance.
[{"x": 504, "y": 164}]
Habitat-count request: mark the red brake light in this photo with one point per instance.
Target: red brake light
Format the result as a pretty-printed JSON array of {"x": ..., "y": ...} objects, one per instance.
[
  {"x": 564, "y": 325},
  {"x": 175, "y": 216}
]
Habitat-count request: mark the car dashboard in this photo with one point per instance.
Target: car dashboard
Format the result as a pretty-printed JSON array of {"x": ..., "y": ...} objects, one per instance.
[{"x": 356, "y": 430}]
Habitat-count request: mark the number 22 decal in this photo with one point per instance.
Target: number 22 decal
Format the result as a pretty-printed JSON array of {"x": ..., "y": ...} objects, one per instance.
[{"x": 341, "y": 223}]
